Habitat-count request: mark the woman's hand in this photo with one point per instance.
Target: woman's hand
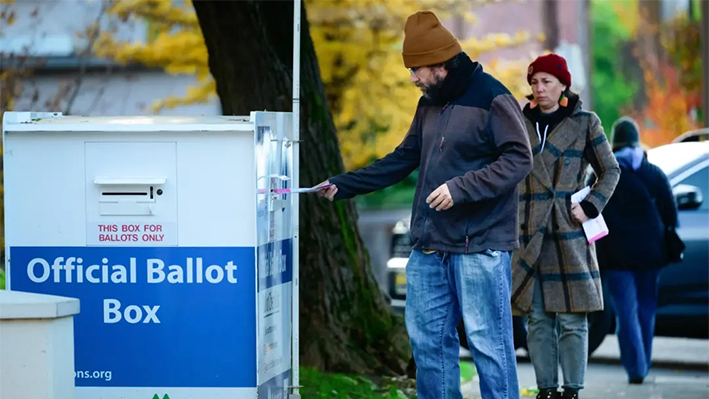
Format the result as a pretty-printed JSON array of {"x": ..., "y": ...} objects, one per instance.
[{"x": 578, "y": 214}]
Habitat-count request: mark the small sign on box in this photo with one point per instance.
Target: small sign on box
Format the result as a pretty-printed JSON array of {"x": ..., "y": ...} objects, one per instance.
[{"x": 131, "y": 234}]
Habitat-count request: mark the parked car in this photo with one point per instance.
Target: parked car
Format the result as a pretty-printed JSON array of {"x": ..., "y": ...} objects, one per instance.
[
  {"x": 693, "y": 135},
  {"x": 683, "y": 304}
]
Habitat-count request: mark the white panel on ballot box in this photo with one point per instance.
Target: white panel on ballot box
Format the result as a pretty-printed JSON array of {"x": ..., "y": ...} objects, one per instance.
[{"x": 168, "y": 231}]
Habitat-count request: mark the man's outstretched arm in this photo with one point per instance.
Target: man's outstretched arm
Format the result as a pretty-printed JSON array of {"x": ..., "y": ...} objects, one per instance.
[{"x": 384, "y": 172}]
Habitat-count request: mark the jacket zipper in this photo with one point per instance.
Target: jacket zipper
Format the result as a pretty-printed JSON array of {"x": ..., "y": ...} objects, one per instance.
[
  {"x": 443, "y": 133},
  {"x": 467, "y": 239},
  {"x": 440, "y": 150}
]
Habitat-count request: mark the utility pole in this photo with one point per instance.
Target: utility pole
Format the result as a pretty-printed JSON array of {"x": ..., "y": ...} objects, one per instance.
[
  {"x": 705, "y": 61},
  {"x": 550, "y": 19}
]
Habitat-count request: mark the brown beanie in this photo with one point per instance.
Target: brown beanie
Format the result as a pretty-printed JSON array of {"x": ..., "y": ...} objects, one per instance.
[{"x": 427, "y": 41}]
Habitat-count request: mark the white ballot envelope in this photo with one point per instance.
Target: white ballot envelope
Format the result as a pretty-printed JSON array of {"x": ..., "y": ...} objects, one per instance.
[{"x": 595, "y": 228}]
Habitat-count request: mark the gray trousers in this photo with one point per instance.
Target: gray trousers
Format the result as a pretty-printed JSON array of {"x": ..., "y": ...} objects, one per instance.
[{"x": 557, "y": 338}]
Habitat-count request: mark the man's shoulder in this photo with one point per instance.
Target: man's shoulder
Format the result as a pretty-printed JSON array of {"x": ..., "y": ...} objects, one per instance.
[{"x": 483, "y": 90}]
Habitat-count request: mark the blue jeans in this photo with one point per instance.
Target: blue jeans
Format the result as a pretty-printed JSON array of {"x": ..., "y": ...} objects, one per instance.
[
  {"x": 442, "y": 287},
  {"x": 554, "y": 338},
  {"x": 634, "y": 295}
]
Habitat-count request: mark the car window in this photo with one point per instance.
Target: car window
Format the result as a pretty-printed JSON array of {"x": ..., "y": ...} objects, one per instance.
[{"x": 700, "y": 179}]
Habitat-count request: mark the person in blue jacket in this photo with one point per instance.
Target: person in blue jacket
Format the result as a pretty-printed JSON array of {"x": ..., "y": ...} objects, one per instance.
[{"x": 632, "y": 255}]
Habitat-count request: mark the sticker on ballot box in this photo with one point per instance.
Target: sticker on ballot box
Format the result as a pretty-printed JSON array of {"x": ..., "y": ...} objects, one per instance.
[
  {"x": 275, "y": 267},
  {"x": 128, "y": 234}
]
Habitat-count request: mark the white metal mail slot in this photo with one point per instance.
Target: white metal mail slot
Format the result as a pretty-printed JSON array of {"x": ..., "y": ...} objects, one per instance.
[{"x": 121, "y": 196}]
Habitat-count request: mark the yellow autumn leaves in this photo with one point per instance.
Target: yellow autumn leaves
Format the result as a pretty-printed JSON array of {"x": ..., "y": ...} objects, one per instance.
[{"x": 358, "y": 44}]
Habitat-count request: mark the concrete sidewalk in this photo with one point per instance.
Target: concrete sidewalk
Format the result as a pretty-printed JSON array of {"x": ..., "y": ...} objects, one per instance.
[
  {"x": 605, "y": 381},
  {"x": 666, "y": 352},
  {"x": 679, "y": 370}
]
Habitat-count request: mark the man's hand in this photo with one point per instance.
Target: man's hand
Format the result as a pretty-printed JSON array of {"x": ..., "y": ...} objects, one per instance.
[
  {"x": 329, "y": 192},
  {"x": 578, "y": 214},
  {"x": 440, "y": 198}
]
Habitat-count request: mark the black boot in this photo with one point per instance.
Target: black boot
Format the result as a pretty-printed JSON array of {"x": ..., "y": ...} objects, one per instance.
[
  {"x": 570, "y": 394},
  {"x": 548, "y": 393}
]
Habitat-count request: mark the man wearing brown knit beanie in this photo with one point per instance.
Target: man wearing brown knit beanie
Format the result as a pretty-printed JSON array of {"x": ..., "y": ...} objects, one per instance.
[{"x": 469, "y": 142}]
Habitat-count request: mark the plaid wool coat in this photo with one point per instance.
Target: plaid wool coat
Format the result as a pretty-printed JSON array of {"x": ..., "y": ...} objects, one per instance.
[{"x": 552, "y": 244}]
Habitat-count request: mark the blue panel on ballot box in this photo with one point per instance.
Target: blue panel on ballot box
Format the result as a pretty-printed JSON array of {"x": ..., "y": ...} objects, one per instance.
[{"x": 152, "y": 317}]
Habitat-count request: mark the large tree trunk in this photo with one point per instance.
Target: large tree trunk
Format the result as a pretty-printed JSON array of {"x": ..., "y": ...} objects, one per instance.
[{"x": 346, "y": 325}]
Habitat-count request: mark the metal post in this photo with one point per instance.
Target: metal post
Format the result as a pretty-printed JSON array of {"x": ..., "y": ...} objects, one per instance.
[{"x": 295, "y": 325}]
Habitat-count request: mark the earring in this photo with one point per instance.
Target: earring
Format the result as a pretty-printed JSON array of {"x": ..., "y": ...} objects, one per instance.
[
  {"x": 563, "y": 101},
  {"x": 532, "y": 104}
]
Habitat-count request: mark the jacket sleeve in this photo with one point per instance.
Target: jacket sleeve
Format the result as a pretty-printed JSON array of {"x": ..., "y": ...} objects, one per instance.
[
  {"x": 664, "y": 199},
  {"x": 384, "y": 172},
  {"x": 599, "y": 154},
  {"x": 506, "y": 126}
]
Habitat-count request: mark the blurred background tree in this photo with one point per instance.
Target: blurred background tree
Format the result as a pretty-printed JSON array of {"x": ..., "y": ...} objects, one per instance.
[
  {"x": 174, "y": 43},
  {"x": 647, "y": 64},
  {"x": 358, "y": 43},
  {"x": 613, "y": 87}
]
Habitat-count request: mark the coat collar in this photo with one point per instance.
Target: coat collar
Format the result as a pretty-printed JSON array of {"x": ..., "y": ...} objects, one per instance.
[
  {"x": 557, "y": 142},
  {"x": 457, "y": 81}
]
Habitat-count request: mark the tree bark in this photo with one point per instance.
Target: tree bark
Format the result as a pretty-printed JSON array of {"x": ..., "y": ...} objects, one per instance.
[{"x": 346, "y": 324}]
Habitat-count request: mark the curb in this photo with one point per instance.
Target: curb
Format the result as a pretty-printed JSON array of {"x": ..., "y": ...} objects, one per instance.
[{"x": 656, "y": 363}]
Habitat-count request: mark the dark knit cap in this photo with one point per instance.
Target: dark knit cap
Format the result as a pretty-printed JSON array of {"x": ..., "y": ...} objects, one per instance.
[
  {"x": 625, "y": 133},
  {"x": 552, "y": 64}
]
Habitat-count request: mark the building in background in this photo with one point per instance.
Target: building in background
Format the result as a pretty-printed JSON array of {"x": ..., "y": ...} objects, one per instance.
[
  {"x": 49, "y": 39},
  {"x": 563, "y": 24}
]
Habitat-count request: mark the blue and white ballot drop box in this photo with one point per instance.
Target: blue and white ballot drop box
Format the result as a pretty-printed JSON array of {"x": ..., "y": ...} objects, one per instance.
[{"x": 170, "y": 232}]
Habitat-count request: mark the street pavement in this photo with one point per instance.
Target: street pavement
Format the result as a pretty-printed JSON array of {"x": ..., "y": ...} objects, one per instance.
[
  {"x": 680, "y": 371},
  {"x": 608, "y": 381},
  {"x": 666, "y": 352}
]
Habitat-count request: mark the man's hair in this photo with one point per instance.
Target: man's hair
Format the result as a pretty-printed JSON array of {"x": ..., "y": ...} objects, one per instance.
[{"x": 449, "y": 65}]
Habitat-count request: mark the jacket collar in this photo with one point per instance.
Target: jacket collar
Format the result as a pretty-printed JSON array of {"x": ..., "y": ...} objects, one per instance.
[
  {"x": 457, "y": 81},
  {"x": 557, "y": 142}
]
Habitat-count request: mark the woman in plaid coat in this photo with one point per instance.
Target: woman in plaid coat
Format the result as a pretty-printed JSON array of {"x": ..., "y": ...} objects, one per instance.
[{"x": 555, "y": 278}]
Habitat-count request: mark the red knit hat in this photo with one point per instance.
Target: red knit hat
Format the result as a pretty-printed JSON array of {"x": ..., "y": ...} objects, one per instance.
[{"x": 552, "y": 64}]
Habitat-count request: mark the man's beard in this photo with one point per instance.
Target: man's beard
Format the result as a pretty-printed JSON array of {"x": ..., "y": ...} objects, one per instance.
[{"x": 432, "y": 91}]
